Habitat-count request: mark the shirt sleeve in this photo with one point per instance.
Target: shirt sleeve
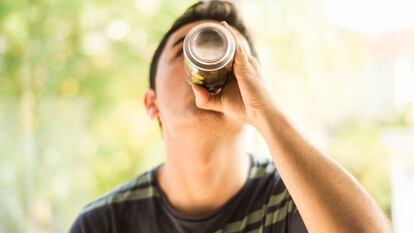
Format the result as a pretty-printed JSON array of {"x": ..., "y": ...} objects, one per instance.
[
  {"x": 91, "y": 222},
  {"x": 295, "y": 222}
]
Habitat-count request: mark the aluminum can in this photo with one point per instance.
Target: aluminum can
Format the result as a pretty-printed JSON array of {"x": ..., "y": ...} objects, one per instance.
[{"x": 208, "y": 56}]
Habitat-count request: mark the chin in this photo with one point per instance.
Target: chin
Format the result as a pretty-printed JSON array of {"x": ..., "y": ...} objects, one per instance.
[
  {"x": 190, "y": 116},
  {"x": 198, "y": 112},
  {"x": 210, "y": 119},
  {"x": 206, "y": 124}
]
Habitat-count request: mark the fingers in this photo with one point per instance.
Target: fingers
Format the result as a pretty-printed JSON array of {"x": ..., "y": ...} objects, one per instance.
[
  {"x": 243, "y": 60},
  {"x": 240, "y": 50},
  {"x": 254, "y": 62},
  {"x": 206, "y": 101}
]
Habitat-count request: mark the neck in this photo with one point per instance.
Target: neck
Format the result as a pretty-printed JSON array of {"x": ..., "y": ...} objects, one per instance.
[{"x": 196, "y": 171}]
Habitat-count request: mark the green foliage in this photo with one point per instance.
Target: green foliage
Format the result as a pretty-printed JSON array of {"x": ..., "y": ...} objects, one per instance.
[
  {"x": 72, "y": 78},
  {"x": 358, "y": 146}
]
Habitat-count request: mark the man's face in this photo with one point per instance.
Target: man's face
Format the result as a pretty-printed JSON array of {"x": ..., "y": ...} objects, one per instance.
[{"x": 174, "y": 99}]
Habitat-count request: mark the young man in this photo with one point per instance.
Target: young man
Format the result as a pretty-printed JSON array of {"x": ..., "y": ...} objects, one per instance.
[{"x": 208, "y": 183}]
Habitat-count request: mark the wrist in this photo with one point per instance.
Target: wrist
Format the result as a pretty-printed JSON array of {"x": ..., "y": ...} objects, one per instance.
[
  {"x": 262, "y": 119},
  {"x": 269, "y": 120}
]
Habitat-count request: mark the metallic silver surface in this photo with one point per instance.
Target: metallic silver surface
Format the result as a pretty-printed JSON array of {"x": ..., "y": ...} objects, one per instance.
[{"x": 208, "y": 54}]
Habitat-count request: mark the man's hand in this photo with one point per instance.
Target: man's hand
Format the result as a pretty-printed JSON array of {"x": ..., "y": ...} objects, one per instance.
[
  {"x": 243, "y": 98},
  {"x": 328, "y": 198}
]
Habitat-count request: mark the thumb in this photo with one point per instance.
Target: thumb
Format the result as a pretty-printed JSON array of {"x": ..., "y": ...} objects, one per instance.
[{"x": 205, "y": 100}]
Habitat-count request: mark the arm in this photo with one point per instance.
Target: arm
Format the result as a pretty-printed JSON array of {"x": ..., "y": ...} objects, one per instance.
[{"x": 328, "y": 198}]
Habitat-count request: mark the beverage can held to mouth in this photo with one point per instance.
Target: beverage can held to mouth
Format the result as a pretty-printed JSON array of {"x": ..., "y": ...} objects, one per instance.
[{"x": 208, "y": 56}]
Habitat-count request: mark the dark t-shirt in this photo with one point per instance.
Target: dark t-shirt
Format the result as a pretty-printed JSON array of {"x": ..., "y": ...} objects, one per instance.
[{"x": 263, "y": 204}]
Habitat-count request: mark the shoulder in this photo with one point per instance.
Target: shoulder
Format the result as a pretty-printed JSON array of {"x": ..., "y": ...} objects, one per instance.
[
  {"x": 266, "y": 205},
  {"x": 265, "y": 174},
  {"x": 96, "y": 216},
  {"x": 279, "y": 209},
  {"x": 138, "y": 188},
  {"x": 261, "y": 167}
]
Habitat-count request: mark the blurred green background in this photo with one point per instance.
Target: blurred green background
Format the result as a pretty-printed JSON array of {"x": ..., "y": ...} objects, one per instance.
[{"x": 73, "y": 73}]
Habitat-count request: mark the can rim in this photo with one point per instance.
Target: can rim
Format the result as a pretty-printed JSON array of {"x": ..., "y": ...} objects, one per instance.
[{"x": 209, "y": 66}]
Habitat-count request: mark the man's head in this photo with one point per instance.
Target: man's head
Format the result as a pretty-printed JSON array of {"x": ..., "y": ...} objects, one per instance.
[{"x": 170, "y": 97}]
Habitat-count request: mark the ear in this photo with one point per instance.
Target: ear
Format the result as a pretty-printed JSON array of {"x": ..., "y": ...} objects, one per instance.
[{"x": 150, "y": 104}]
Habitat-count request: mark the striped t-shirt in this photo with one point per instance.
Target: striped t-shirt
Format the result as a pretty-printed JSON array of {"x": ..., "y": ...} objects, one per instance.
[{"x": 263, "y": 204}]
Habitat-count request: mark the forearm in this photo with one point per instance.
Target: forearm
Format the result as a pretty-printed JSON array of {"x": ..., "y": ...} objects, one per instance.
[{"x": 329, "y": 199}]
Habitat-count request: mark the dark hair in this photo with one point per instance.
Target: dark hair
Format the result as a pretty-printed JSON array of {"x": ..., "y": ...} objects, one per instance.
[{"x": 214, "y": 10}]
